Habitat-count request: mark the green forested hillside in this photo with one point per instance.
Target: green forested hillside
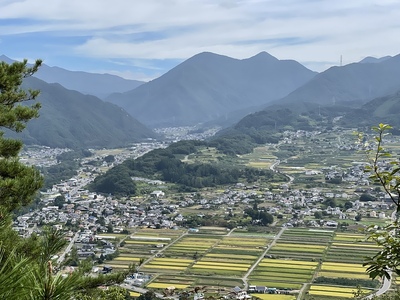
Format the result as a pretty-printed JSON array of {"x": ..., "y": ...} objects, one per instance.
[
  {"x": 168, "y": 165},
  {"x": 71, "y": 119}
]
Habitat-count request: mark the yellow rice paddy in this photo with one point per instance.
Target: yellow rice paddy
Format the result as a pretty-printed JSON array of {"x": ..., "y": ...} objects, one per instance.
[
  {"x": 159, "y": 285},
  {"x": 274, "y": 297}
]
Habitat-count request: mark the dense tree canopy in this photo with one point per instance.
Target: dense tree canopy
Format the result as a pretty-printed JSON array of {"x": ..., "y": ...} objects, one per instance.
[
  {"x": 167, "y": 165},
  {"x": 18, "y": 183}
]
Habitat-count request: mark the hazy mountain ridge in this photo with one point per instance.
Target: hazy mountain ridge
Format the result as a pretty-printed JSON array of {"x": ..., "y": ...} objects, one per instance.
[
  {"x": 208, "y": 86},
  {"x": 212, "y": 87},
  {"x": 71, "y": 119},
  {"x": 373, "y": 60},
  {"x": 359, "y": 82},
  {"x": 99, "y": 85}
]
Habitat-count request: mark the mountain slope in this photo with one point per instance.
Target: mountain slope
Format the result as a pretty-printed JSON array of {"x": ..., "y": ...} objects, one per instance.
[
  {"x": 209, "y": 86},
  {"x": 380, "y": 110},
  {"x": 357, "y": 82},
  {"x": 71, "y": 119}
]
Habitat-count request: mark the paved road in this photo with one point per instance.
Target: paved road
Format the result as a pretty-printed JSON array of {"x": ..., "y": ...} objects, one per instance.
[
  {"x": 273, "y": 168},
  {"x": 276, "y": 237},
  {"x": 384, "y": 288},
  {"x": 68, "y": 249}
]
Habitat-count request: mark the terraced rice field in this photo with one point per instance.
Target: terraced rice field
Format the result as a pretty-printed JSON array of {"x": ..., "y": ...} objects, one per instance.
[
  {"x": 170, "y": 265},
  {"x": 157, "y": 285},
  {"x": 343, "y": 270},
  {"x": 213, "y": 230},
  {"x": 167, "y": 280},
  {"x": 239, "y": 245},
  {"x": 141, "y": 245},
  {"x": 282, "y": 273},
  {"x": 190, "y": 245},
  {"x": 231, "y": 255},
  {"x": 219, "y": 261},
  {"x": 302, "y": 243},
  {"x": 274, "y": 297},
  {"x": 350, "y": 248},
  {"x": 333, "y": 291}
]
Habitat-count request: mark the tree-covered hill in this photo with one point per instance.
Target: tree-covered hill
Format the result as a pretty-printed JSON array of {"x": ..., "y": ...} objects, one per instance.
[{"x": 168, "y": 165}]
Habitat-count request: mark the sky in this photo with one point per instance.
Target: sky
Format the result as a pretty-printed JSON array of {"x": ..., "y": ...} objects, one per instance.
[{"x": 143, "y": 39}]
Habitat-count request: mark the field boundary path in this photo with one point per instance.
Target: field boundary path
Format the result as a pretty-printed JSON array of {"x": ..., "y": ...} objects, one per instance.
[{"x": 276, "y": 237}]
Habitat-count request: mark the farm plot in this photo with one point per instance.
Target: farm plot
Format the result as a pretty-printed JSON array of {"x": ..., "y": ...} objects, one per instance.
[
  {"x": 192, "y": 246},
  {"x": 162, "y": 286},
  {"x": 239, "y": 245},
  {"x": 273, "y": 297},
  {"x": 350, "y": 248},
  {"x": 282, "y": 273},
  {"x": 141, "y": 245},
  {"x": 213, "y": 230},
  {"x": 170, "y": 265},
  {"x": 213, "y": 284},
  {"x": 343, "y": 270},
  {"x": 232, "y": 255},
  {"x": 302, "y": 243},
  {"x": 220, "y": 268},
  {"x": 171, "y": 280},
  {"x": 307, "y": 235},
  {"x": 333, "y": 291}
]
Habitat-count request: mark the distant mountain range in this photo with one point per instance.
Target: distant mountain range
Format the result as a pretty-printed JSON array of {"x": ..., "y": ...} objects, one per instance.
[
  {"x": 208, "y": 86},
  {"x": 71, "y": 119},
  {"x": 99, "y": 85},
  {"x": 213, "y": 89},
  {"x": 357, "y": 82}
]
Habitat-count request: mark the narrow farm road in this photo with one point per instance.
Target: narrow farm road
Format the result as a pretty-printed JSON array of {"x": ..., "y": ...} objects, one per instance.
[{"x": 276, "y": 237}]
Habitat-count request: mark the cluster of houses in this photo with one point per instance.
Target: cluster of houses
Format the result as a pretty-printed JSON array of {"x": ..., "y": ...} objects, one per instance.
[
  {"x": 98, "y": 213},
  {"x": 41, "y": 156}
]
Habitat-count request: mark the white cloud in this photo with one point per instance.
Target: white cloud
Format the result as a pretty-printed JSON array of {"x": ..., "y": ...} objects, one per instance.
[{"x": 305, "y": 30}]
